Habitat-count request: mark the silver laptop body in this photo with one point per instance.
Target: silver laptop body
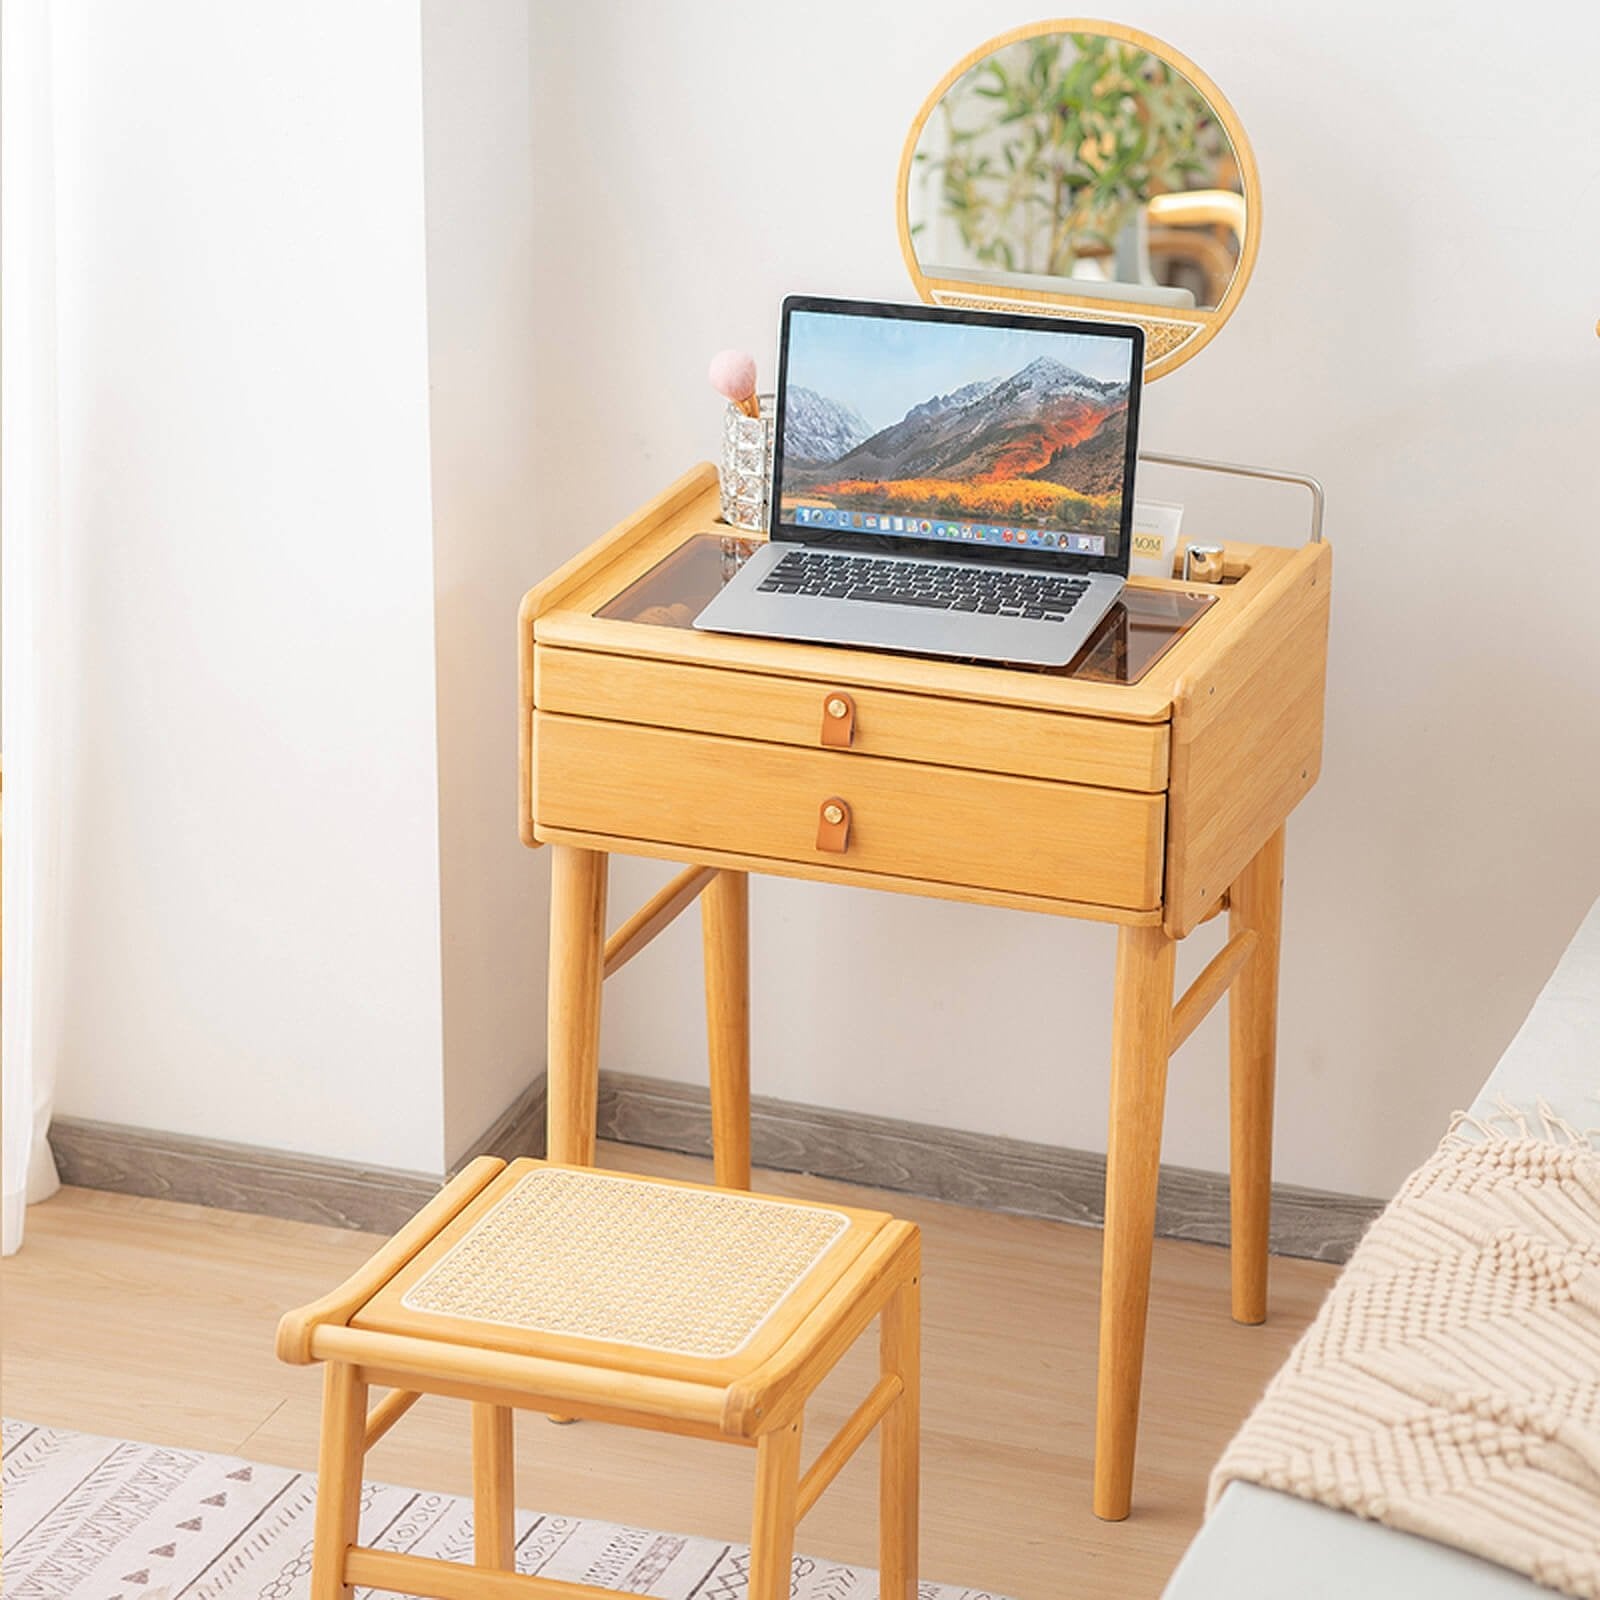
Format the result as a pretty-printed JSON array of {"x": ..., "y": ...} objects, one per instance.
[{"x": 945, "y": 483}]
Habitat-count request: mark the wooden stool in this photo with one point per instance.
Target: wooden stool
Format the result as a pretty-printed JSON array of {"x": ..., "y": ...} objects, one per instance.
[{"x": 660, "y": 1305}]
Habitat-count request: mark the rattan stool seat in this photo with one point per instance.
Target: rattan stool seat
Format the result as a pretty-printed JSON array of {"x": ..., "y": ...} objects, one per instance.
[
  {"x": 629, "y": 1300},
  {"x": 613, "y": 1270}
]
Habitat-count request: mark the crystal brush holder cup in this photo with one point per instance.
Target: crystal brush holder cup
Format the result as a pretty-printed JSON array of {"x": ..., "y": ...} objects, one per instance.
[{"x": 746, "y": 467}]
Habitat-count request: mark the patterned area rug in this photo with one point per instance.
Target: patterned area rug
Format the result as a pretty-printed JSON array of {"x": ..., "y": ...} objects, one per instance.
[{"x": 104, "y": 1519}]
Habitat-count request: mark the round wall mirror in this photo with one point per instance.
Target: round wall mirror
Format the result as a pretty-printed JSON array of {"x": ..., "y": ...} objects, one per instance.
[{"x": 1088, "y": 170}]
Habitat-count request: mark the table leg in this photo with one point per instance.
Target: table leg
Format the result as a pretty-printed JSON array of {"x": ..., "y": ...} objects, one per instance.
[
  {"x": 577, "y": 970},
  {"x": 1140, "y": 1030},
  {"x": 1255, "y": 901},
  {"x": 725, "y": 927}
]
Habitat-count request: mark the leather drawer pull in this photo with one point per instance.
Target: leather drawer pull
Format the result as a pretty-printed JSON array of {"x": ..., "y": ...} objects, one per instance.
[
  {"x": 833, "y": 825},
  {"x": 838, "y": 720}
]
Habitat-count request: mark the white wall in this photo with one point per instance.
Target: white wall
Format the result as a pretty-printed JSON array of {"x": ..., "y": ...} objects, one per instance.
[
  {"x": 1419, "y": 333},
  {"x": 483, "y": 370},
  {"x": 252, "y": 915},
  {"x": 286, "y": 929}
]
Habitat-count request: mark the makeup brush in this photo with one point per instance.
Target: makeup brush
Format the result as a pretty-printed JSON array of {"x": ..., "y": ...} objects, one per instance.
[{"x": 733, "y": 374}]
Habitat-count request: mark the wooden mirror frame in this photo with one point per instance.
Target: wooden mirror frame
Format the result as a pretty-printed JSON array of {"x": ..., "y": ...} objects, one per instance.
[{"x": 1172, "y": 335}]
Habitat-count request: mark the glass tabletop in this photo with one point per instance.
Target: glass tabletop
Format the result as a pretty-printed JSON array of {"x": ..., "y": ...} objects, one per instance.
[{"x": 1137, "y": 631}]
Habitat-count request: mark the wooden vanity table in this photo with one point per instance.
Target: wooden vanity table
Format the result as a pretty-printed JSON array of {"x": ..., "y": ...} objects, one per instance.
[{"x": 1146, "y": 785}]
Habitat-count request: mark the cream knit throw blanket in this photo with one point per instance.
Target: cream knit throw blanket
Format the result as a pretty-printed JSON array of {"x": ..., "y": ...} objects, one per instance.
[{"x": 1450, "y": 1384}]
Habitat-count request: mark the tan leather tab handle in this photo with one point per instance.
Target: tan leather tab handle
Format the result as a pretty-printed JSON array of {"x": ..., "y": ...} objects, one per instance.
[
  {"x": 838, "y": 720},
  {"x": 833, "y": 825}
]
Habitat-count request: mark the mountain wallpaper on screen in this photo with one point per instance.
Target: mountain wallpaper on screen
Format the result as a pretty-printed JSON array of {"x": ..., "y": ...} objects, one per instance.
[
  {"x": 818, "y": 429},
  {"x": 1043, "y": 447}
]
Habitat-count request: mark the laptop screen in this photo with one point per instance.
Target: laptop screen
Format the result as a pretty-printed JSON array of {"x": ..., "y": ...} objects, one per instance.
[{"x": 957, "y": 428}]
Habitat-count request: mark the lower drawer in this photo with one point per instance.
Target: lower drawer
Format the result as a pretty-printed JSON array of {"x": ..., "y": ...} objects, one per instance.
[{"x": 938, "y": 824}]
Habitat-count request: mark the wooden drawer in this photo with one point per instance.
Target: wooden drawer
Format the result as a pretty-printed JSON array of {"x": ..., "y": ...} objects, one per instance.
[
  {"x": 908, "y": 820},
  {"x": 903, "y": 727}
]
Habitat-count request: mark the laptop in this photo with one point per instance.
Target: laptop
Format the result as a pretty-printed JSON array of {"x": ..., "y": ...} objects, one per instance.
[{"x": 950, "y": 483}]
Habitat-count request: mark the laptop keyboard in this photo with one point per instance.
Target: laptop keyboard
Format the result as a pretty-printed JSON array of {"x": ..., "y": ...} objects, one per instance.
[{"x": 935, "y": 586}]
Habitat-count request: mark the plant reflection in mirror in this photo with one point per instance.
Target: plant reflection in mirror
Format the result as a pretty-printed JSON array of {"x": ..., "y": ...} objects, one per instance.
[{"x": 1053, "y": 144}]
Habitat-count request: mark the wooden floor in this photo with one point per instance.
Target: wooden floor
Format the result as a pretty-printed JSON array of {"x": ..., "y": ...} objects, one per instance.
[{"x": 149, "y": 1320}]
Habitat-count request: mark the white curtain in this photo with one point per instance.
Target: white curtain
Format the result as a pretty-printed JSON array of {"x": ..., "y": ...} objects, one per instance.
[{"x": 32, "y": 694}]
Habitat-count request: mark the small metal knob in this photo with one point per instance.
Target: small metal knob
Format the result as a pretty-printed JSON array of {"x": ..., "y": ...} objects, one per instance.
[
  {"x": 837, "y": 707},
  {"x": 833, "y": 813}
]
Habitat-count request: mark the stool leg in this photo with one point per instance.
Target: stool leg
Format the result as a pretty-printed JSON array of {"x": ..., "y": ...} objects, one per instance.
[
  {"x": 494, "y": 1487},
  {"x": 577, "y": 969},
  {"x": 900, "y": 1353},
  {"x": 339, "y": 1458},
  {"x": 772, "y": 1535},
  {"x": 725, "y": 928},
  {"x": 1255, "y": 901},
  {"x": 1140, "y": 1031}
]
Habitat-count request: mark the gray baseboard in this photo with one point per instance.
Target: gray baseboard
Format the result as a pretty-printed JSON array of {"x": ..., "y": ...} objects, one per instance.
[
  {"x": 273, "y": 1183},
  {"x": 236, "y": 1177},
  {"x": 970, "y": 1169}
]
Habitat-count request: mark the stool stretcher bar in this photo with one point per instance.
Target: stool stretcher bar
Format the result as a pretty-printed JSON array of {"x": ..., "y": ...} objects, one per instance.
[
  {"x": 844, "y": 1444},
  {"x": 388, "y": 1411},
  {"x": 556, "y": 1405},
  {"x": 454, "y": 1580}
]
